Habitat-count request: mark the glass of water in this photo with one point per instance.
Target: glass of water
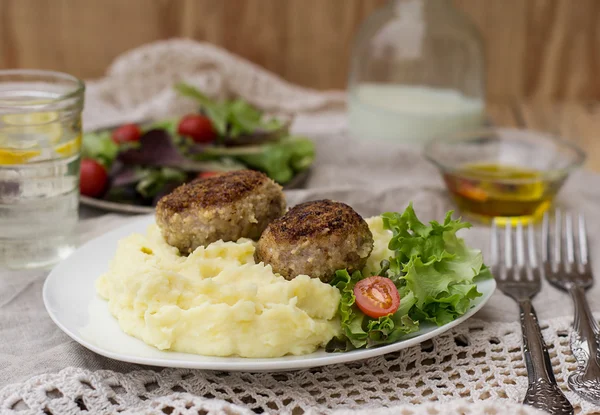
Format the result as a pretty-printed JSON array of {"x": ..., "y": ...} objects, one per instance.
[{"x": 40, "y": 144}]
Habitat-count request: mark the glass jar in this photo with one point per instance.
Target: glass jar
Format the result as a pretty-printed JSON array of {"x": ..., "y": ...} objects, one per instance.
[
  {"x": 40, "y": 145},
  {"x": 416, "y": 72}
]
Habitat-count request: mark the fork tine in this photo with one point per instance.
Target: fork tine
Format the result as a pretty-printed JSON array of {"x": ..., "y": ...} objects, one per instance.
[
  {"x": 508, "y": 250},
  {"x": 494, "y": 250},
  {"x": 583, "y": 244},
  {"x": 546, "y": 238},
  {"x": 531, "y": 246},
  {"x": 570, "y": 250},
  {"x": 519, "y": 245},
  {"x": 557, "y": 237}
]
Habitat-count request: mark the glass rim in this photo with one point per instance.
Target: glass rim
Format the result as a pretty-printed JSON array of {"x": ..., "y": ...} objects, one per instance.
[
  {"x": 469, "y": 136},
  {"x": 75, "y": 92}
]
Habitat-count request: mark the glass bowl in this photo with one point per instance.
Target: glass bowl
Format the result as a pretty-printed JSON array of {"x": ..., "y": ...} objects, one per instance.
[{"x": 504, "y": 173}]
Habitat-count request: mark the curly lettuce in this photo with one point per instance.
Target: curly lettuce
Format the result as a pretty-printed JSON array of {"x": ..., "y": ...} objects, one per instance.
[
  {"x": 436, "y": 265},
  {"x": 360, "y": 330},
  {"x": 232, "y": 118},
  {"x": 434, "y": 272},
  {"x": 100, "y": 147}
]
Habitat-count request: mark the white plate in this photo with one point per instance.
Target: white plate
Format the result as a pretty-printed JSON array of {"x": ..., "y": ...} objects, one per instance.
[{"x": 72, "y": 302}]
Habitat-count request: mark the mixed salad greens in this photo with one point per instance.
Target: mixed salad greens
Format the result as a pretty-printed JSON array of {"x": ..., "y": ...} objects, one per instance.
[
  {"x": 138, "y": 164},
  {"x": 432, "y": 273}
]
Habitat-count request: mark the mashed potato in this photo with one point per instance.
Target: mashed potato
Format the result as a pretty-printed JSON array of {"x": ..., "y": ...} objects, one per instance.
[
  {"x": 217, "y": 301},
  {"x": 381, "y": 237}
]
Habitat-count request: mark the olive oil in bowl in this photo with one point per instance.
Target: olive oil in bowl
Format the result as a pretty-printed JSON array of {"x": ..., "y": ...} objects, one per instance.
[
  {"x": 488, "y": 190},
  {"x": 503, "y": 174}
]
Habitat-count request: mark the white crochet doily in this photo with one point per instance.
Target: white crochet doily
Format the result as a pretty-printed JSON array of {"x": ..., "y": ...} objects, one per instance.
[
  {"x": 476, "y": 361},
  {"x": 476, "y": 368}
]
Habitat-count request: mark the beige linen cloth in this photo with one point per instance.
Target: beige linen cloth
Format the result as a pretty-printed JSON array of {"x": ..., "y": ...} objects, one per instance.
[{"x": 476, "y": 368}]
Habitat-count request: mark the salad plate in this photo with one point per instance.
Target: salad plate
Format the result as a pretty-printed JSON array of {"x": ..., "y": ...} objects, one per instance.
[
  {"x": 297, "y": 182},
  {"x": 129, "y": 167},
  {"x": 71, "y": 301}
]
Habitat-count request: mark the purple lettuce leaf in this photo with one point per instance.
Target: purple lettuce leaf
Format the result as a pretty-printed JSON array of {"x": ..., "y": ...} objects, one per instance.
[
  {"x": 123, "y": 174},
  {"x": 156, "y": 148}
]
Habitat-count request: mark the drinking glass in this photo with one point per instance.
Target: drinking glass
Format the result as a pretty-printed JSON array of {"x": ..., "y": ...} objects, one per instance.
[{"x": 40, "y": 144}]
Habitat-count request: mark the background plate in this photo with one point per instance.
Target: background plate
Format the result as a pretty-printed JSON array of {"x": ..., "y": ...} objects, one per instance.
[
  {"x": 71, "y": 300},
  {"x": 297, "y": 182}
]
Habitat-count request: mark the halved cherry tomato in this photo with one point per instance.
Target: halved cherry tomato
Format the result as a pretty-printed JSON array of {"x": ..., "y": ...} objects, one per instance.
[
  {"x": 93, "y": 178},
  {"x": 126, "y": 133},
  {"x": 377, "y": 296},
  {"x": 198, "y": 127},
  {"x": 205, "y": 174}
]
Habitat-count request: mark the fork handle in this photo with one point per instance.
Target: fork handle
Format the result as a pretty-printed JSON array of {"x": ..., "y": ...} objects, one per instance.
[
  {"x": 585, "y": 337},
  {"x": 542, "y": 392}
]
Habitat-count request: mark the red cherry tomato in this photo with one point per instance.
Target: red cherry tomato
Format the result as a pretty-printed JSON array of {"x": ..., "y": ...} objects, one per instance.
[
  {"x": 93, "y": 178},
  {"x": 205, "y": 174},
  {"x": 377, "y": 296},
  {"x": 126, "y": 133},
  {"x": 198, "y": 127}
]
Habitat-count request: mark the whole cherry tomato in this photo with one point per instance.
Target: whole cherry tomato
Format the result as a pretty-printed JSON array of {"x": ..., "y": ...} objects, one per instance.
[
  {"x": 93, "y": 178},
  {"x": 198, "y": 127},
  {"x": 126, "y": 133}
]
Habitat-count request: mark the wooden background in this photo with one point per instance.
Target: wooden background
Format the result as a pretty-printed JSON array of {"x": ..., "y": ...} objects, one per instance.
[{"x": 546, "y": 49}]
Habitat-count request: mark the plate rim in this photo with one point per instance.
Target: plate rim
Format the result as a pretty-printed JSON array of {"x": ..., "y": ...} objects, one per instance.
[
  {"x": 114, "y": 206},
  {"x": 253, "y": 364}
]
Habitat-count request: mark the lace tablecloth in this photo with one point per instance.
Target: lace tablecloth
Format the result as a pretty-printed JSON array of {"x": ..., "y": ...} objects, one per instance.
[{"x": 476, "y": 368}]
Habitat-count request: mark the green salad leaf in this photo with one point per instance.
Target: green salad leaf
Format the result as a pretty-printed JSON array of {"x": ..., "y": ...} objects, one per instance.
[
  {"x": 100, "y": 147},
  {"x": 230, "y": 118},
  {"x": 152, "y": 181},
  {"x": 217, "y": 112},
  {"x": 434, "y": 272},
  {"x": 244, "y": 118},
  {"x": 280, "y": 160},
  {"x": 169, "y": 125},
  {"x": 359, "y": 330},
  {"x": 435, "y": 264}
]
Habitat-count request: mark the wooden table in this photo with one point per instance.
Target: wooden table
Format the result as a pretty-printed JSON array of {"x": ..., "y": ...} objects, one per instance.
[{"x": 576, "y": 121}]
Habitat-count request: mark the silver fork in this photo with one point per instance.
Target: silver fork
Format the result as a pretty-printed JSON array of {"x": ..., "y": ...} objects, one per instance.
[
  {"x": 518, "y": 277},
  {"x": 573, "y": 273}
]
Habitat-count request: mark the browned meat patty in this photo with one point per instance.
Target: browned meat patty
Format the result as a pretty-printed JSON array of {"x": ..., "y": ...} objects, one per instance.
[
  {"x": 316, "y": 238},
  {"x": 229, "y": 206}
]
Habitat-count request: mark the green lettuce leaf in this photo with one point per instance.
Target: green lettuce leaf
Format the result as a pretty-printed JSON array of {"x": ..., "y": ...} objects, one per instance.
[
  {"x": 244, "y": 118},
  {"x": 100, "y": 147},
  {"x": 359, "y": 330},
  {"x": 230, "y": 118},
  {"x": 435, "y": 264},
  {"x": 153, "y": 181},
  {"x": 169, "y": 125},
  {"x": 218, "y": 112},
  {"x": 280, "y": 160},
  {"x": 434, "y": 272}
]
